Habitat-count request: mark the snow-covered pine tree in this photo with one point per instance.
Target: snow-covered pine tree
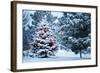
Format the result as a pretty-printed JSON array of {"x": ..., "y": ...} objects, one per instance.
[
  {"x": 44, "y": 43},
  {"x": 75, "y": 28}
]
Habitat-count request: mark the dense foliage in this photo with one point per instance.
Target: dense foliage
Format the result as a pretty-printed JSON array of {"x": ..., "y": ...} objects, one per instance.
[{"x": 71, "y": 29}]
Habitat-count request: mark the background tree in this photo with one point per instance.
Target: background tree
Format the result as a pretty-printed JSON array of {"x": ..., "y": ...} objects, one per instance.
[{"x": 79, "y": 27}]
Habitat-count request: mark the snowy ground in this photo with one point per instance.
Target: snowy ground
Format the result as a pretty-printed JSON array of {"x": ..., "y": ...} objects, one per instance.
[{"x": 61, "y": 55}]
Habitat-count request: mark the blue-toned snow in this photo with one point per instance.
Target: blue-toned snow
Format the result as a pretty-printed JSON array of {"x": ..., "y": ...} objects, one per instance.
[
  {"x": 61, "y": 55},
  {"x": 57, "y": 14}
]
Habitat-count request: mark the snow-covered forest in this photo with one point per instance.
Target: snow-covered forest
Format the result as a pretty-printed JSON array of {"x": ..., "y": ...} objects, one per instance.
[{"x": 52, "y": 35}]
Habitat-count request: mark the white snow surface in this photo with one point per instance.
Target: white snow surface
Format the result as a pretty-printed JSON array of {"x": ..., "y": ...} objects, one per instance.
[{"x": 61, "y": 55}]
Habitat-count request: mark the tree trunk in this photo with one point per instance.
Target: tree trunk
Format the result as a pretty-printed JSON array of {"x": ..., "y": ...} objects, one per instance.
[
  {"x": 80, "y": 54},
  {"x": 45, "y": 54}
]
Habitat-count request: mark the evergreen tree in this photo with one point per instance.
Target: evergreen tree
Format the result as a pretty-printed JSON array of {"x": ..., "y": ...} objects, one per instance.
[
  {"x": 74, "y": 31},
  {"x": 44, "y": 43}
]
